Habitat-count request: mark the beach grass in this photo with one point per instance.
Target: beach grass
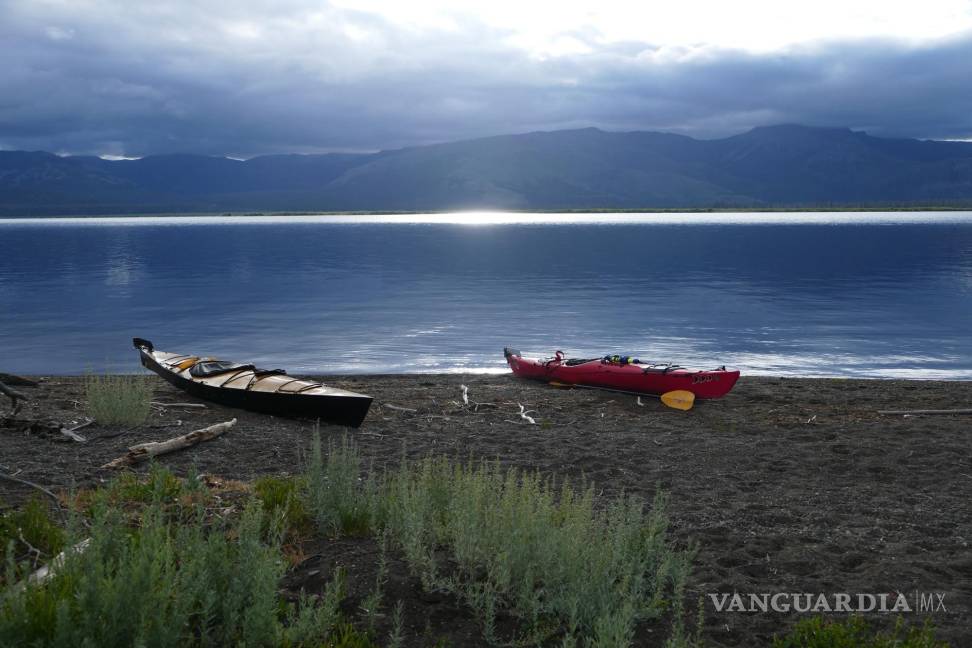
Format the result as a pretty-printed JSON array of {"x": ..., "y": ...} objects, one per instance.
[
  {"x": 550, "y": 555},
  {"x": 118, "y": 399}
]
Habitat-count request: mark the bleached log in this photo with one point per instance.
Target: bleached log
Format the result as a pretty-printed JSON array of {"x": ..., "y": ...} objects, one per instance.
[
  {"x": 48, "y": 570},
  {"x": 145, "y": 451}
]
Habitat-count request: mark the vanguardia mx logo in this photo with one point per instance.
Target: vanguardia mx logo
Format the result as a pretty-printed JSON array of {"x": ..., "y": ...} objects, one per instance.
[{"x": 919, "y": 602}]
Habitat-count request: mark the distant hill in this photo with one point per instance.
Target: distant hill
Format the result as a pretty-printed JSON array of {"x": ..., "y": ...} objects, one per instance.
[{"x": 777, "y": 166}]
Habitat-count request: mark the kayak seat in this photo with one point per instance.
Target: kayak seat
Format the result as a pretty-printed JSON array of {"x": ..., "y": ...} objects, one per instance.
[
  {"x": 188, "y": 362},
  {"x": 207, "y": 368}
]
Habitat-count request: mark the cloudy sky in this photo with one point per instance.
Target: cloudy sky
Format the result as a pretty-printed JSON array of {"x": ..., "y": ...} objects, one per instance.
[{"x": 242, "y": 78}]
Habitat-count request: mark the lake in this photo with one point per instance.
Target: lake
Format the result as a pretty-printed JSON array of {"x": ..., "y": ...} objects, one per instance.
[{"x": 808, "y": 294}]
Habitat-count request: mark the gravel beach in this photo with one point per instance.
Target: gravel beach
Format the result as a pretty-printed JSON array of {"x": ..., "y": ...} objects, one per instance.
[{"x": 786, "y": 485}]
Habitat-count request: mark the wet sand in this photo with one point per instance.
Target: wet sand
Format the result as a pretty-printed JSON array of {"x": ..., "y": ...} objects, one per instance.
[{"x": 786, "y": 485}]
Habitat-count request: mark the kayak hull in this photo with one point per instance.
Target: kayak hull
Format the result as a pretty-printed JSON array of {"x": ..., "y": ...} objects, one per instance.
[
  {"x": 326, "y": 404},
  {"x": 636, "y": 378}
]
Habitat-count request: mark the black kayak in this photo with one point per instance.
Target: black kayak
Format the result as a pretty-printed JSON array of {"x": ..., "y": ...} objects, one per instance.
[{"x": 259, "y": 390}]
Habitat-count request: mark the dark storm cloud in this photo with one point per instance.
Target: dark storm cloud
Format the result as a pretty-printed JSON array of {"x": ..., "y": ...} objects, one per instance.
[{"x": 291, "y": 77}]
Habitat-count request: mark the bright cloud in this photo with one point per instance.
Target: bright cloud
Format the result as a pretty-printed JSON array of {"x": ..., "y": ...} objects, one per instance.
[{"x": 243, "y": 78}]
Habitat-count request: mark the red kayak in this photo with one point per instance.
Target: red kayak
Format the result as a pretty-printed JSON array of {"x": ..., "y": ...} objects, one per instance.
[{"x": 624, "y": 374}]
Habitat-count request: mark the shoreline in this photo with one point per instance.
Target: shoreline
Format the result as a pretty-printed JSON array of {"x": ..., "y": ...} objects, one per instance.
[
  {"x": 477, "y": 373},
  {"x": 786, "y": 484},
  {"x": 604, "y": 210}
]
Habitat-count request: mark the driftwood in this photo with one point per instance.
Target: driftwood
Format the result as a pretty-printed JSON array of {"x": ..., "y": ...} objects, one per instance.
[
  {"x": 30, "y": 426},
  {"x": 160, "y": 404},
  {"x": 12, "y": 393},
  {"x": 524, "y": 415},
  {"x": 14, "y": 396},
  {"x": 72, "y": 433},
  {"x": 11, "y": 379},
  {"x": 398, "y": 408},
  {"x": 37, "y": 426},
  {"x": 31, "y": 484},
  {"x": 145, "y": 451},
  {"x": 74, "y": 436},
  {"x": 48, "y": 570},
  {"x": 927, "y": 411}
]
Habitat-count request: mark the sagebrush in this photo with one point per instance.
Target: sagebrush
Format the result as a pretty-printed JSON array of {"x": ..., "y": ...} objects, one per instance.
[
  {"x": 552, "y": 555},
  {"x": 118, "y": 400},
  {"x": 854, "y": 632},
  {"x": 164, "y": 578}
]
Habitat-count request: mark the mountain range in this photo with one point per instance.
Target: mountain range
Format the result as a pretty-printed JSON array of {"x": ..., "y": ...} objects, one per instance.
[{"x": 774, "y": 166}]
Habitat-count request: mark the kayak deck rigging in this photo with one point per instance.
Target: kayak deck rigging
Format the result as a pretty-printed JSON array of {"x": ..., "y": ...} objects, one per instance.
[
  {"x": 623, "y": 373},
  {"x": 244, "y": 385}
]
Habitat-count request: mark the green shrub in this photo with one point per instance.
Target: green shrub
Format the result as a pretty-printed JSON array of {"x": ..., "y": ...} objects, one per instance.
[
  {"x": 118, "y": 400},
  {"x": 816, "y": 632},
  {"x": 29, "y": 535},
  {"x": 554, "y": 557},
  {"x": 283, "y": 500},
  {"x": 159, "y": 583},
  {"x": 337, "y": 500},
  {"x": 160, "y": 486},
  {"x": 346, "y": 636}
]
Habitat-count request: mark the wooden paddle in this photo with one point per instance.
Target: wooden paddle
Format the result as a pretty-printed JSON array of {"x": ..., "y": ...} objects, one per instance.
[{"x": 680, "y": 399}]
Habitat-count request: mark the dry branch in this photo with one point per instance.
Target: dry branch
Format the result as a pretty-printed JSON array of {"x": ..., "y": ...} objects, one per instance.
[
  {"x": 74, "y": 436},
  {"x": 81, "y": 425},
  {"x": 927, "y": 411},
  {"x": 524, "y": 415},
  {"x": 49, "y": 428},
  {"x": 30, "y": 426},
  {"x": 398, "y": 408},
  {"x": 159, "y": 404},
  {"x": 45, "y": 572},
  {"x": 11, "y": 379},
  {"x": 145, "y": 451},
  {"x": 31, "y": 484},
  {"x": 14, "y": 396}
]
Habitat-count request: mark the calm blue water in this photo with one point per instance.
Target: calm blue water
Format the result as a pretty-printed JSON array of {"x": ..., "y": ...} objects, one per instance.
[{"x": 787, "y": 294}]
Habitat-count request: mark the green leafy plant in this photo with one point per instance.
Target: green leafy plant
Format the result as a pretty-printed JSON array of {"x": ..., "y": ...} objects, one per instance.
[
  {"x": 160, "y": 486},
  {"x": 284, "y": 498},
  {"x": 164, "y": 580},
  {"x": 30, "y": 535},
  {"x": 854, "y": 632}
]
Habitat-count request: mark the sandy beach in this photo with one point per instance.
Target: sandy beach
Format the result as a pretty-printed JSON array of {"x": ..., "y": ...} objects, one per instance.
[{"x": 786, "y": 485}]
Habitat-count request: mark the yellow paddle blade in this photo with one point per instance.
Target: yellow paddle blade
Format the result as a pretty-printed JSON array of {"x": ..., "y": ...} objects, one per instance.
[
  {"x": 679, "y": 399},
  {"x": 555, "y": 383}
]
